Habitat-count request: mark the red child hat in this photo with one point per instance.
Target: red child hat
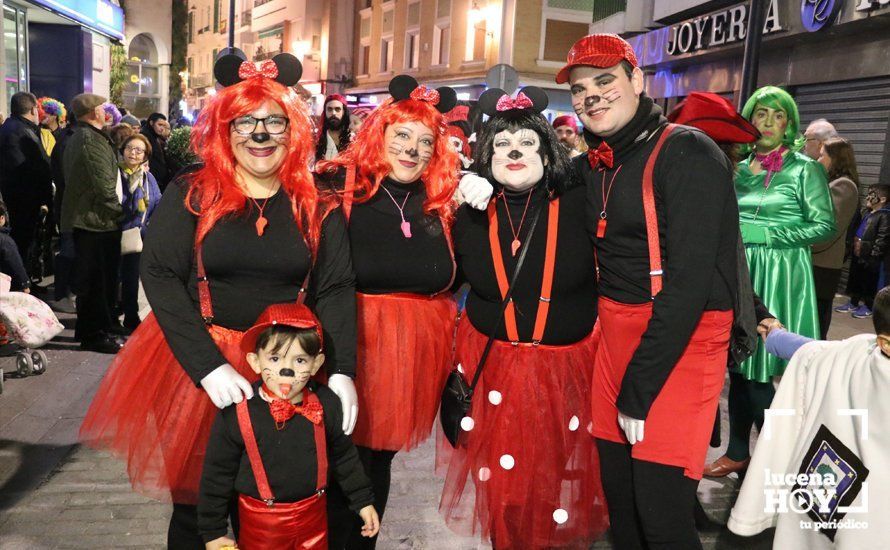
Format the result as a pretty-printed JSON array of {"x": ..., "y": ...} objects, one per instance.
[
  {"x": 715, "y": 116},
  {"x": 566, "y": 120},
  {"x": 597, "y": 50},
  {"x": 290, "y": 314}
]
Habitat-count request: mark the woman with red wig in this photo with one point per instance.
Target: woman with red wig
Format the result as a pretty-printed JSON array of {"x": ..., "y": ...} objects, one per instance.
[
  {"x": 397, "y": 180},
  {"x": 243, "y": 231}
]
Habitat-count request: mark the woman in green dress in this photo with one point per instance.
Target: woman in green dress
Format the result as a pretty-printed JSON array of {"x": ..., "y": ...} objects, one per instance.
[{"x": 784, "y": 207}]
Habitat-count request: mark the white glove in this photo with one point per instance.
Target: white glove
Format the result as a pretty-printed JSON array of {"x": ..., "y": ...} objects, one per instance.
[
  {"x": 633, "y": 428},
  {"x": 476, "y": 190},
  {"x": 225, "y": 386},
  {"x": 344, "y": 388}
]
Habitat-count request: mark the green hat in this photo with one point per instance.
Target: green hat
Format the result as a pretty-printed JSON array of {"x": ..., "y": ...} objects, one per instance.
[{"x": 84, "y": 104}]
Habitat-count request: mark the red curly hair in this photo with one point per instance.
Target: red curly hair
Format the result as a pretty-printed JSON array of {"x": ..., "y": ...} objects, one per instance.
[
  {"x": 367, "y": 153},
  {"x": 213, "y": 193}
]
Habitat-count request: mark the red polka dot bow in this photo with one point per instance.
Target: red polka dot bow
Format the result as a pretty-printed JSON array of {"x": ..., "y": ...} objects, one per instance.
[
  {"x": 422, "y": 93},
  {"x": 282, "y": 411},
  {"x": 266, "y": 68},
  {"x": 507, "y": 103},
  {"x": 602, "y": 154}
]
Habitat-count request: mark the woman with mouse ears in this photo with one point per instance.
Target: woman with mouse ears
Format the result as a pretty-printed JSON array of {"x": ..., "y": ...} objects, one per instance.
[
  {"x": 245, "y": 230},
  {"x": 525, "y": 444},
  {"x": 396, "y": 181}
]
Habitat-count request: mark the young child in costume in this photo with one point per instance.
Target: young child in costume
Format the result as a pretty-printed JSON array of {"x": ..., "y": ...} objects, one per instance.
[
  {"x": 261, "y": 449},
  {"x": 819, "y": 471}
]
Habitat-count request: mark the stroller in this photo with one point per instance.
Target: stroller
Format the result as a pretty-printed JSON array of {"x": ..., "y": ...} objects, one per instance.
[{"x": 26, "y": 323}]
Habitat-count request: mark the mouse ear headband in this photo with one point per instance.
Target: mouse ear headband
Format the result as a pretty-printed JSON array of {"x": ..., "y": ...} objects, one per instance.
[
  {"x": 233, "y": 68},
  {"x": 495, "y": 101},
  {"x": 406, "y": 87}
]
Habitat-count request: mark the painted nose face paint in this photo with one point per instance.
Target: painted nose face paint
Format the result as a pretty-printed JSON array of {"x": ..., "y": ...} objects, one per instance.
[
  {"x": 591, "y": 100},
  {"x": 287, "y": 372},
  {"x": 260, "y": 137},
  {"x": 514, "y": 155},
  {"x": 411, "y": 152}
]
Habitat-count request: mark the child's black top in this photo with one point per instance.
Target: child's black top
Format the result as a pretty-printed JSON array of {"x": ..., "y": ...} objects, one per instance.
[
  {"x": 11, "y": 262},
  {"x": 288, "y": 455}
]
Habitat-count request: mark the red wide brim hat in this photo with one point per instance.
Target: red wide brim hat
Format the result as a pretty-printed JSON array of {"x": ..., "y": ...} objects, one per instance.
[
  {"x": 290, "y": 314},
  {"x": 597, "y": 50},
  {"x": 715, "y": 116}
]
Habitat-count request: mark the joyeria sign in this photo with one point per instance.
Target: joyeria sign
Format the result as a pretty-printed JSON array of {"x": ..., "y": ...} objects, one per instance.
[
  {"x": 818, "y": 14},
  {"x": 719, "y": 29}
]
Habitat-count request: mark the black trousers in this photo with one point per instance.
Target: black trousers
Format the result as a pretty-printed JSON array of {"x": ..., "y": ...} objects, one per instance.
[
  {"x": 64, "y": 269},
  {"x": 24, "y": 216},
  {"x": 96, "y": 269},
  {"x": 862, "y": 283},
  {"x": 130, "y": 288},
  {"x": 344, "y": 525},
  {"x": 826, "y": 287},
  {"x": 651, "y": 506},
  {"x": 747, "y": 401}
]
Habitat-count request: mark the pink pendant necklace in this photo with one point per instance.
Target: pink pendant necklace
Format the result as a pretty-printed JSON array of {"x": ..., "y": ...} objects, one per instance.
[{"x": 405, "y": 225}]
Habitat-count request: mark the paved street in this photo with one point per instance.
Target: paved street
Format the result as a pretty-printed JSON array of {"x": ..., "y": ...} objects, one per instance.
[{"x": 55, "y": 494}]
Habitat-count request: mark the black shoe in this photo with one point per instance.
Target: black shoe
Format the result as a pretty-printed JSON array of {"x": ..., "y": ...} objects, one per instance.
[
  {"x": 102, "y": 344},
  {"x": 117, "y": 329}
]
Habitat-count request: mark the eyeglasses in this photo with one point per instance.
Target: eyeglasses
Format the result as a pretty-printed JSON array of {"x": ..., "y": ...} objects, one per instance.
[
  {"x": 131, "y": 149},
  {"x": 246, "y": 125}
]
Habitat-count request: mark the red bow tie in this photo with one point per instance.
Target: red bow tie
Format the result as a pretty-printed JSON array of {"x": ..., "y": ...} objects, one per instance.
[
  {"x": 282, "y": 410},
  {"x": 603, "y": 154}
]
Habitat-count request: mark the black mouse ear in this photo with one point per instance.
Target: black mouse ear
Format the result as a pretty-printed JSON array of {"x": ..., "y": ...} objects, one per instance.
[
  {"x": 488, "y": 101},
  {"x": 447, "y": 99},
  {"x": 401, "y": 86},
  {"x": 538, "y": 96},
  {"x": 226, "y": 68},
  {"x": 289, "y": 69}
]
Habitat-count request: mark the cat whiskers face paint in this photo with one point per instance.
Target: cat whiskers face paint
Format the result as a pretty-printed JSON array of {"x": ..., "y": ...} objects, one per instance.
[{"x": 409, "y": 149}]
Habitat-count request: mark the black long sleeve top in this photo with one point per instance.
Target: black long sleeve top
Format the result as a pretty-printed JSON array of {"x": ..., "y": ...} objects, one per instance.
[
  {"x": 573, "y": 300},
  {"x": 384, "y": 260},
  {"x": 698, "y": 227},
  {"x": 247, "y": 273},
  {"x": 11, "y": 262},
  {"x": 289, "y": 457}
]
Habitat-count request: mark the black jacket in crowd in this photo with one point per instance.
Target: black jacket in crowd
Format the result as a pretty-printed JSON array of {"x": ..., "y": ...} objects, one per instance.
[
  {"x": 25, "y": 176},
  {"x": 62, "y": 135},
  {"x": 876, "y": 238},
  {"x": 11, "y": 262},
  {"x": 158, "y": 163}
]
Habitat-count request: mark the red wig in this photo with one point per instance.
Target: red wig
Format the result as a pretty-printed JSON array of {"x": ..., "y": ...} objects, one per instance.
[
  {"x": 367, "y": 153},
  {"x": 213, "y": 193}
]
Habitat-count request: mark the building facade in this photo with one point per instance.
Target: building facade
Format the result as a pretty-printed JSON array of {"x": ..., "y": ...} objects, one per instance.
[
  {"x": 57, "y": 48},
  {"x": 319, "y": 33},
  {"x": 835, "y": 62},
  {"x": 148, "y": 44},
  {"x": 456, "y": 43}
]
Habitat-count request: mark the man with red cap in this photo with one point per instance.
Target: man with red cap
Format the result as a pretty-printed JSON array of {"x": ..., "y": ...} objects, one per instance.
[
  {"x": 334, "y": 135},
  {"x": 566, "y": 129},
  {"x": 662, "y": 213}
]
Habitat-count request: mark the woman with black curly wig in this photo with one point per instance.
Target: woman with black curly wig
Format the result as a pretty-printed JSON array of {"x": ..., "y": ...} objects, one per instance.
[{"x": 525, "y": 445}]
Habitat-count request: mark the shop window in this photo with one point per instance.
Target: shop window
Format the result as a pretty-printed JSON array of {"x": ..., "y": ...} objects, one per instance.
[
  {"x": 14, "y": 52},
  {"x": 142, "y": 92}
]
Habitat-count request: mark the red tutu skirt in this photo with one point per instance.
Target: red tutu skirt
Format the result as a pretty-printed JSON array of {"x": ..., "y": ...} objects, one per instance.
[
  {"x": 149, "y": 412},
  {"x": 404, "y": 355},
  {"x": 532, "y": 462}
]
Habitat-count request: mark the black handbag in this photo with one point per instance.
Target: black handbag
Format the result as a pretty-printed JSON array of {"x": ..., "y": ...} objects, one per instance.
[{"x": 458, "y": 395}]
